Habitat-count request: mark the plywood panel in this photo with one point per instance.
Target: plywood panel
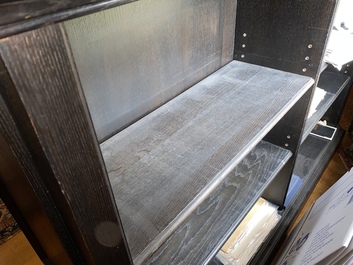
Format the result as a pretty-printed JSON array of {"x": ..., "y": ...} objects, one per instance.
[{"x": 134, "y": 58}]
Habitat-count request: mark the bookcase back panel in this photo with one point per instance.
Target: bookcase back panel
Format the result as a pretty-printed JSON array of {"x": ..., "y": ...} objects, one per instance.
[
  {"x": 133, "y": 58},
  {"x": 285, "y": 35}
]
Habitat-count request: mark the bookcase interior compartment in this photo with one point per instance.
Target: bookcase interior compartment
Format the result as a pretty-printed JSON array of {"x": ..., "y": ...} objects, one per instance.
[
  {"x": 163, "y": 166},
  {"x": 313, "y": 156},
  {"x": 148, "y": 129},
  {"x": 202, "y": 234},
  {"x": 333, "y": 84},
  {"x": 157, "y": 51}
]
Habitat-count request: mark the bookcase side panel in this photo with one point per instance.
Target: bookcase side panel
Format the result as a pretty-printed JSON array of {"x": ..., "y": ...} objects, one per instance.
[
  {"x": 286, "y": 35},
  {"x": 55, "y": 132}
]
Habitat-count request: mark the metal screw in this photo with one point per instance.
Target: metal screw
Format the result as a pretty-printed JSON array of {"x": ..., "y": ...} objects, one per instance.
[
  {"x": 307, "y": 58},
  {"x": 347, "y": 65},
  {"x": 310, "y": 46},
  {"x": 286, "y": 145},
  {"x": 244, "y": 34},
  {"x": 345, "y": 72},
  {"x": 304, "y": 69},
  {"x": 243, "y": 45},
  {"x": 288, "y": 136},
  {"x": 242, "y": 56}
]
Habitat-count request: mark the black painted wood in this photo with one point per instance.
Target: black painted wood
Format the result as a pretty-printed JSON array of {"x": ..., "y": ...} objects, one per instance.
[
  {"x": 12, "y": 114},
  {"x": 287, "y": 133},
  {"x": 313, "y": 157},
  {"x": 9, "y": 169},
  {"x": 204, "y": 232},
  {"x": 52, "y": 117},
  {"x": 21, "y": 16},
  {"x": 333, "y": 84},
  {"x": 285, "y": 35},
  {"x": 164, "y": 165}
]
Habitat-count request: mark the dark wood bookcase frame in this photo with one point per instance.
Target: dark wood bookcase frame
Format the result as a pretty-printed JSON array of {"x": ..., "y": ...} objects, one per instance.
[{"x": 54, "y": 153}]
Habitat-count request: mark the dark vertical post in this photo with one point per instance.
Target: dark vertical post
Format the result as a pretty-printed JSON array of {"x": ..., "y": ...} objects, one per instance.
[{"x": 48, "y": 109}]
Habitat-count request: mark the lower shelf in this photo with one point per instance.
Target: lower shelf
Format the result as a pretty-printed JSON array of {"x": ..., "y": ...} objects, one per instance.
[
  {"x": 333, "y": 84},
  {"x": 314, "y": 154},
  {"x": 207, "y": 228}
]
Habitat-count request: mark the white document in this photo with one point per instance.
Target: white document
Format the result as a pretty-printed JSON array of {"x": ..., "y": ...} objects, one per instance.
[
  {"x": 339, "y": 49},
  {"x": 326, "y": 230}
]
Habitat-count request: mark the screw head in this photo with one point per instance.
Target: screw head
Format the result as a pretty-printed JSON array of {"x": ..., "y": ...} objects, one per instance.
[
  {"x": 310, "y": 46},
  {"x": 244, "y": 34},
  {"x": 242, "y": 56},
  {"x": 304, "y": 70}
]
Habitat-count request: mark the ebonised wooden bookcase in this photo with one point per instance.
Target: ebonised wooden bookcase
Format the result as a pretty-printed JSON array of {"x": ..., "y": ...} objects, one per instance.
[{"x": 144, "y": 131}]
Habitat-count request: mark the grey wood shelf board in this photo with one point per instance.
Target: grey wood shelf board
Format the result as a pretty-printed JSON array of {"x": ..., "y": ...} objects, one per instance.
[
  {"x": 202, "y": 234},
  {"x": 164, "y": 165},
  {"x": 333, "y": 84}
]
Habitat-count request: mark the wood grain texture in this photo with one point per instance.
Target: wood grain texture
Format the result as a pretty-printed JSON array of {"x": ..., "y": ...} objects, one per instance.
[
  {"x": 333, "y": 84},
  {"x": 11, "y": 193},
  {"x": 21, "y": 16},
  {"x": 313, "y": 157},
  {"x": 162, "y": 166},
  {"x": 158, "y": 50},
  {"x": 278, "y": 33},
  {"x": 204, "y": 232},
  {"x": 48, "y": 91},
  {"x": 28, "y": 211},
  {"x": 18, "y": 251},
  {"x": 12, "y": 114}
]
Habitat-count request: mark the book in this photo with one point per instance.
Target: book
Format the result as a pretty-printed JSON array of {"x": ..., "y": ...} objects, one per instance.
[
  {"x": 324, "y": 234},
  {"x": 294, "y": 185}
]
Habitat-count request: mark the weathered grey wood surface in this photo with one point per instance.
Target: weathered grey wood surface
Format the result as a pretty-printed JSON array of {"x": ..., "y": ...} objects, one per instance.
[
  {"x": 200, "y": 237},
  {"x": 333, "y": 84},
  {"x": 134, "y": 58},
  {"x": 163, "y": 166}
]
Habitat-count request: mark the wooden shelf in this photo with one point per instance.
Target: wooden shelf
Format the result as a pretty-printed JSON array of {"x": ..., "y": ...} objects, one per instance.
[
  {"x": 333, "y": 84},
  {"x": 202, "y": 234},
  {"x": 21, "y": 16},
  {"x": 162, "y": 167},
  {"x": 313, "y": 156}
]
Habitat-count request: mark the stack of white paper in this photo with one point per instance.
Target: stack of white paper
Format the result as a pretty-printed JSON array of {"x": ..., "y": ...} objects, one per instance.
[
  {"x": 325, "y": 233},
  {"x": 339, "y": 48},
  {"x": 250, "y": 234}
]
